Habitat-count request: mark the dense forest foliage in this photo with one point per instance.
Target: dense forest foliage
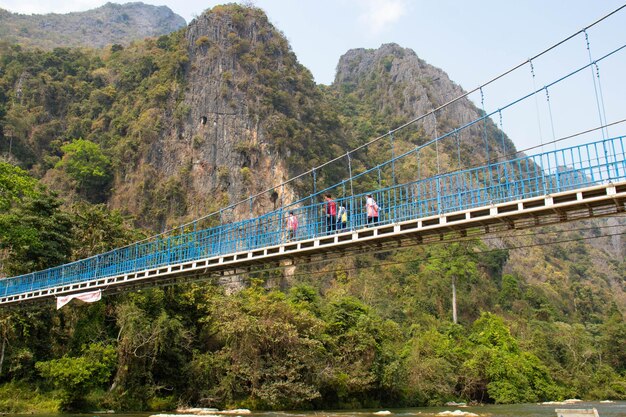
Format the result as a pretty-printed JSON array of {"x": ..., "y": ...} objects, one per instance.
[{"x": 363, "y": 331}]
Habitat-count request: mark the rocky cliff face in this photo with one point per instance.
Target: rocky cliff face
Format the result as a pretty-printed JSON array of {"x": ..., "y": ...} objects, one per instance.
[
  {"x": 250, "y": 116},
  {"x": 109, "y": 24},
  {"x": 393, "y": 85},
  {"x": 401, "y": 82}
]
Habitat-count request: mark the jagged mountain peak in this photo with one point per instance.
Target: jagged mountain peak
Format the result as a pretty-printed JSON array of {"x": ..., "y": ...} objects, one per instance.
[
  {"x": 399, "y": 65},
  {"x": 357, "y": 60},
  {"x": 394, "y": 85},
  {"x": 107, "y": 24}
]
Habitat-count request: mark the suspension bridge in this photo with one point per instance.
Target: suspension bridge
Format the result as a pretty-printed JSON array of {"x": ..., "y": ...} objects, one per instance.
[{"x": 508, "y": 190}]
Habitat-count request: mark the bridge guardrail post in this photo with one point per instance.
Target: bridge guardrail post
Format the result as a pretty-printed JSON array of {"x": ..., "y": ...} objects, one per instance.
[
  {"x": 351, "y": 209},
  {"x": 543, "y": 176},
  {"x": 316, "y": 214},
  {"x": 621, "y": 141},
  {"x": 219, "y": 234},
  {"x": 393, "y": 178},
  {"x": 281, "y": 216},
  {"x": 557, "y": 174},
  {"x": 439, "y": 208}
]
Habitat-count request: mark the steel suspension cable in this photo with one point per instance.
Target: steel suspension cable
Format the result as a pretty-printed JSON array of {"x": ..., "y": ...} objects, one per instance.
[
  {"x": 532, "y": 71},
  {"x": 439, "y": 205},
  {"x": 411, "y": 122},
  {"x": 601, "y": 95},
  {"x": 550, "y": 114},
  {"x": 595, "y": 87}
]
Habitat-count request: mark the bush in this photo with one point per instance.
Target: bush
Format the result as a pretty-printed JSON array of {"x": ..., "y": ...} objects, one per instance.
[
  {"x": 19, "y": 397},
  {"x": 85, "y": 163},
  {"x": 76, "y": 376},
  {"x": 202, "y": 41},
  {"x": 162, "y": 403}
]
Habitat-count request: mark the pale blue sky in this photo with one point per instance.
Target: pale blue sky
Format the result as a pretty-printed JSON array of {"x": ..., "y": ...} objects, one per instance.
[{"x": 471, "y": 41}]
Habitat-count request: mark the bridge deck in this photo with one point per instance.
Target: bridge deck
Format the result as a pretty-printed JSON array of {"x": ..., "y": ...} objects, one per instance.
[
  {"x": 566, "y": 206},
  {"x": 583, "y": 181}
]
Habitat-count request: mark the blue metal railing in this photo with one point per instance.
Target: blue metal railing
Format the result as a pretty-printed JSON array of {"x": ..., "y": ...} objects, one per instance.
[{"x": 520, "y": 178}]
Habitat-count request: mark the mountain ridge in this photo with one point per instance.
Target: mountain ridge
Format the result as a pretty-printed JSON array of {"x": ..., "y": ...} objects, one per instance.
[{"x": 108, "y": 24}]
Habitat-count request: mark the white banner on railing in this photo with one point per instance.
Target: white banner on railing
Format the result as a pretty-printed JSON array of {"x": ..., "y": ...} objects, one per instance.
[{"x": 88, "y": 297}]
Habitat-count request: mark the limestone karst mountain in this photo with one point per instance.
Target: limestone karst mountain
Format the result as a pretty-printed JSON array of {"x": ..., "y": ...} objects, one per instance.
[
  {"x": 96, "y": 28},
  {"x": 380, "y": 89}
]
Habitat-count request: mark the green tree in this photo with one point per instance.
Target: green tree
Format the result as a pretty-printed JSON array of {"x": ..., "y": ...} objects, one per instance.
[
  {"x": 270, "y": 352},
  {"x": 15, "y": 184},
  {"x": 98, "y": 229},
  {"x": 7, "y": 331},
  {"x": 76, "y": 376},
  {"x": 613, "y": 336},
  {"x": 36, "y": 234},
  {"x": 151, "y": 350},
  {"x": 86, "y": 164},
  {"x": 498, "y": 370},
  {"x": 510, "y": 291},
  {"x": 430, "y": 369},
  {"x": 453, "y": 263},
  {"x": 365, "y": 366}
]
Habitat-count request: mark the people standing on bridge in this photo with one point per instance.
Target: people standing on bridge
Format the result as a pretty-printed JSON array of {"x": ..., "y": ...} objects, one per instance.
[
  {"x": 331, "y": 214},
  {"x": 372, "y": 210},
  {"x": 342, "y": 217},
  {"x": 292, "y": 226}
]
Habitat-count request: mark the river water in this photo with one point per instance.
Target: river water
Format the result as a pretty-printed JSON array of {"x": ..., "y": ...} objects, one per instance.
[{"x": 614, "y": 409}]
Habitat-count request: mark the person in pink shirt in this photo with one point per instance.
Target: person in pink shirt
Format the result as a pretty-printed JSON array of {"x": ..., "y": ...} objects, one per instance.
[
  {"x": 372, "y": 210},
  {"x": 292, "y": 226}
]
